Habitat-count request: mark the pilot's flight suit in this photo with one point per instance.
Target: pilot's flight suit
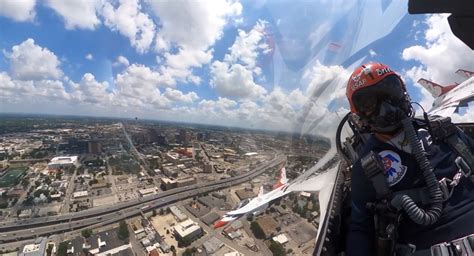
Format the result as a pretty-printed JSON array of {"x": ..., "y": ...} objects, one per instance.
[{"x": 402, "y": 173}]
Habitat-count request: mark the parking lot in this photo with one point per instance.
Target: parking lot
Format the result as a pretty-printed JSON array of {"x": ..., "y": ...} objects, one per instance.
[{"x": 164, "y": 224}]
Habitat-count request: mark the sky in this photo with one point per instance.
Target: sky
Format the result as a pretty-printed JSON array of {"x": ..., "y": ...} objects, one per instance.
[{"x": 277, "y": 65}]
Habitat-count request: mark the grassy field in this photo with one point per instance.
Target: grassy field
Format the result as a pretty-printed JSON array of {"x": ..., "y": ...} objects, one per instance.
[{"x": 12, "y": 177}]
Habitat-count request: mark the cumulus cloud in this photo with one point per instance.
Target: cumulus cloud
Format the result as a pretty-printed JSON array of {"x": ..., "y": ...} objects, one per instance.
[
  {"x": 128, "y": 19},
  {"x": 138, "y": 86},
  {"x": 234, "y": 81},
  {"x": 29, "y": 61},
  {"x": 89, "y": 90},
  {"x": 121, "y": 60},
  {"x": 204, "y": 25},
  {"x": 176, "y": 95},
  {"x": 203, "y": 22},
  {"x": 234, "y": 76},
  {"x": 44, "y": 90},
  {"x": 439, "y": 57},
  {"x": 18, "y": 10},
  {"x": 325, "y": 83},
  {"x": 89, "y": 56},
  {"x": 467, "y": 116},
  {"x": 186, "y": 58},
  {"x": 247, "y": 46},
  {"x": 326, "y": 101},
  {"x": 78, "y": 13}
]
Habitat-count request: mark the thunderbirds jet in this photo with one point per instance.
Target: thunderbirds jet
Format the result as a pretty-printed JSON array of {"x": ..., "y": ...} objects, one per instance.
[
  {"x": 258, "y": 204},
  {"x": 314, "y": 179},
  {"x": 450, "y": 97}
]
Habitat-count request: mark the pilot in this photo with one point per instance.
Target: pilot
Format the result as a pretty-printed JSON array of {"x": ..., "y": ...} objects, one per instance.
[{"x": 412, "y": 190}]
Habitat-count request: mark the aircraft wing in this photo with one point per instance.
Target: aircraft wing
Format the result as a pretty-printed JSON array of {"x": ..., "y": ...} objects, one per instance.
[
  {"x": 259, "y": 202},
  {"x": 449, "y": 103}
]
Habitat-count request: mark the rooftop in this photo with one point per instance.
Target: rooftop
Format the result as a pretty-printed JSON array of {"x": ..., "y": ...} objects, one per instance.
[
  {"x": 212, "y": 245},
  {"x": 281, "y": 238},
  {"x": 178, "y": 213},
  {"x": 186, "y": 228},
  {"x": 268, "y": 225},
  {"x": 35, "y": 249},
  {"x": 64, "y": 160}
]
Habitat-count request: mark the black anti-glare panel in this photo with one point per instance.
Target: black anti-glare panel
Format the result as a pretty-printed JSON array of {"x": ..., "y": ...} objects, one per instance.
[{"x": 461, "y": 21}]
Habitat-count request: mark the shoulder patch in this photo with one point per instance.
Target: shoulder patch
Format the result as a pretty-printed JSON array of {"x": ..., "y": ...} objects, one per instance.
[{"x": 394, "y": 169}]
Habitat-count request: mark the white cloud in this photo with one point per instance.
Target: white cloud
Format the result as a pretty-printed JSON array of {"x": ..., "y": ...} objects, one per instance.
[
  {"x": 121, "y": 60},
  {"x": 234, "y": 77},
  {"x": 139, "y": 86},
  {"x": 247, "y": 46},
  {"x": 325, "y": 83},
  {"x": 204, "y": 25},
  {"x": 7, "y": 86},
  {"x": 18, "y": 10},
  {"x": 326, "y": 100},
  {"x": 89, "y": 56},
  {"x": 234, "y": 81},
  {"x": 176, "y": 95},
  {"x": 89, "y": 90},
  {"x": 21, "y": 91},
  {"x": 78, "y": 13},
  {"x": 297, "y": 98},
  {"x": 466, "y": 117},
  {"x": 372, "y": 53},
  {"x": 204, "y": 22},
  {"x": 186, "y": 58},
  {"x": 439, "y": 58},
  {"x": 29, "y": 61},
  {"x": 130, "y": 21}
]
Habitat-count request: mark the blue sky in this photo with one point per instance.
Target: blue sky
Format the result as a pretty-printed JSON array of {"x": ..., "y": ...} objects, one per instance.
[{"x": 252, "y": 64}]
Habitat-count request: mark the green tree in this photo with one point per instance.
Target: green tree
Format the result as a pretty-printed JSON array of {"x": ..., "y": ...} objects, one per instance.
[
  {"x": 59, "y": 174},
  {"x": 277, "y": 249},
  {"x": 257, "y": 230},
  {"x": 249, "y": 217},
  {"x": 25, "y": 182},
  {"x": 62, "y": 248},
  {"x": 154, "y": 212},
  {"x": 123, "y": 232},
  {"x": 49, "y": 250},
  {"x": 86, "y": 233},
  {"x": 189, "y": 251}
]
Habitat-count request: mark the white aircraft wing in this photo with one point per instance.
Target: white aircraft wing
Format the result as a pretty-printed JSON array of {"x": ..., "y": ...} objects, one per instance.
[
  {"x": 448, "y": 103},
  {"x": 259, "y": 202}
]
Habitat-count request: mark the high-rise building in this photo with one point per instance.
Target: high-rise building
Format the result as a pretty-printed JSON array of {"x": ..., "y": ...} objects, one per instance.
[{"x": 94, "y": 147}]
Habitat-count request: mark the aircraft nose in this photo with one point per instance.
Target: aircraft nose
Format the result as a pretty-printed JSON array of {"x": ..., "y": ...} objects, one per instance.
[{"x": 220, "y": 224}]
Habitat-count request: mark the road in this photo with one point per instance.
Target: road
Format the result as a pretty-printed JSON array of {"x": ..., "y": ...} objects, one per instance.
[
  {"x": 211, "y": 232},
  {"x": 26, "y": 229},
  {"x": 69, "y": 191}
]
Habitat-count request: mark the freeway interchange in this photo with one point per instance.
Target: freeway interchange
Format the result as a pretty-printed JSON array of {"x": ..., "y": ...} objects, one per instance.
[{"x": 96, "y": 217}]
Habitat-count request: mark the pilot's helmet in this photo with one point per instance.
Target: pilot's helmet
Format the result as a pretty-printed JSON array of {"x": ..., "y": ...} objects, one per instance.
[{"x": 372, "y": 85}]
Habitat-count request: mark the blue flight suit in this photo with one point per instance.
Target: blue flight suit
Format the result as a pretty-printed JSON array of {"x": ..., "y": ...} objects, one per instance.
[{"x": 402, "y": 173}]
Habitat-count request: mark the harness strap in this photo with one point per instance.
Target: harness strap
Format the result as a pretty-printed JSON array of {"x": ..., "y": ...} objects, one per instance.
[{"x": 374, "y": 169}]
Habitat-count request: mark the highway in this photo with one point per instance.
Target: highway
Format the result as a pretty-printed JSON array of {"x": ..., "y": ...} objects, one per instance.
[{"x": 96, "y": 217}]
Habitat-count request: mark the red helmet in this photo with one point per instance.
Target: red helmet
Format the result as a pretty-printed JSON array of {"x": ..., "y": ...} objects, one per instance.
[{"x": 370, "y": 83}]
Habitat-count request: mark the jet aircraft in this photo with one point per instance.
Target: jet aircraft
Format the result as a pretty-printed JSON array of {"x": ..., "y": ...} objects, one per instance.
[
  {"x": 258, "y": 204},
  {"x": 449, "y": 98}
]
